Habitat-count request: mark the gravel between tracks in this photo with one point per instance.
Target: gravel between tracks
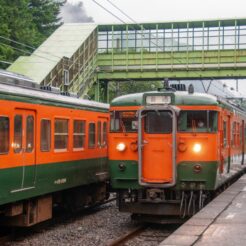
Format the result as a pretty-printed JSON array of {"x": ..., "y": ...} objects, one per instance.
[
  {"x": 153, "y": 235},
  {"x": 97, "y": 227}
]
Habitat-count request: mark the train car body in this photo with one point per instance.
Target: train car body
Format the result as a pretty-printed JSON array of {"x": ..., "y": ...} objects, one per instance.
[
  {"x": 169, "y": 150},
  {"x": 53, "y": 149}
]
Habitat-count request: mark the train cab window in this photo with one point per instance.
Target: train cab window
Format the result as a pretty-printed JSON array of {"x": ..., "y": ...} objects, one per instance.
[
  {"x": 158, "y": 122},
  {"x": 123, "y": 121},
  {"x": 29, "y": 133},
  {"x": 99, "y": 133},
  {"x": 4, "y": 135},
  {"x": 198, "y": 121},
  {"x": 61, "y": 134},
  {"x": 18, "y": 134},
  {"x": 104, "y": 137},
  {"x": 78, "y": 134},
  {"x": 92, "y": 135},
  {"x": 45, "y": 135}
]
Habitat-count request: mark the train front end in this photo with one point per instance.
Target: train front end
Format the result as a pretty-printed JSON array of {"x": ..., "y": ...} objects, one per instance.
[{"x": 162, "y": 161}]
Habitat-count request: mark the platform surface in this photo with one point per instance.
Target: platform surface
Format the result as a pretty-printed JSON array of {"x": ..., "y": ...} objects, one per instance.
[{"x": 221, "y": 222}]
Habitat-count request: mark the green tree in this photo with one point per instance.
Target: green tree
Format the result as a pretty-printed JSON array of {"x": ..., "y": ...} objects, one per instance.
[
  {"x": 45, "y": 15},
  {"x": 28, "y": 22},
  {"x": 127, "y": 87}
]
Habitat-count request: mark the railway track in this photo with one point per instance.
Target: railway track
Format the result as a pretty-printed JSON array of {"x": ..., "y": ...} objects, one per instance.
[
  {"x": 10, "y": 234},
  {"x": 145, "y": 234},
  {"x": 126, "y": 237},
  {"x": 153, "y": 234}
]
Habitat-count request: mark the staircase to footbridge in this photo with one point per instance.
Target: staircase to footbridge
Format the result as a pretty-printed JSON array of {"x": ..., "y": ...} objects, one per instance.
[{"x": 78, "y": 57}]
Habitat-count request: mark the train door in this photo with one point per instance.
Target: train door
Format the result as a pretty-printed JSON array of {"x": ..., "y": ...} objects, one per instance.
[
  {"x": 24, "y": 146},
  {"x": 157, "y": 132},
  {"x": 225, "y": 145},
  {"x": 102, "y": 145}
]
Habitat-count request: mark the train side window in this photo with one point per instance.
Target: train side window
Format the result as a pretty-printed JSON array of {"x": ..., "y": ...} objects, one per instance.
[
  {"x": 78, "y": 134},
  {"x": 4, "y": 135},
  {"x": 61, "y": 134},
  {"x": 123, "y": 121},
  {"x": 29, "y": 133},
  {"x": 238, "y": 134},
  {"x": 18, "y": 134},
  {"x": 241, "y": 134},
  {"x": 99, "y": 133},
  {"x": 224, "y": 133},
  {"x": 234, "y": 133},
  {"x": 92, "y": 135},
  {"x": 104, "y": 138},
  {"x": 45, "y": 135}
]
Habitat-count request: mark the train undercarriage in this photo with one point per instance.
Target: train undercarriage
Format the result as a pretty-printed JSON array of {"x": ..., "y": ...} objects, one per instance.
[
  {"x": 169, "y": 206},
  {"x": 31, "y": 211}
]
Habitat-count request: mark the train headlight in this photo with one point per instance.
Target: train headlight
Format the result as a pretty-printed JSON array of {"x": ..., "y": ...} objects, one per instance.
[
  {"x": 121, "y": 147},
  {"x": 197, "y": 148}
]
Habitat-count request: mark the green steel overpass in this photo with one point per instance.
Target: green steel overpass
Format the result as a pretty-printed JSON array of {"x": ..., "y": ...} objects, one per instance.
[{"x": 87, "y": 55}]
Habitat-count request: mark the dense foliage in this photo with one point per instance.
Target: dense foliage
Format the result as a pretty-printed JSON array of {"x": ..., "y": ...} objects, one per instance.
[
  {"x": 25, "y": 21},
  {"x": 123, "y": 88}
]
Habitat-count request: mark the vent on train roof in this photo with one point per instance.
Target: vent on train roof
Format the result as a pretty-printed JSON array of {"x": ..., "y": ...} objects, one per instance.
[
  {"x": 179, "y": 87},
  {"x": 69, "y": 94},
  {"x": 50, "y": 89}
]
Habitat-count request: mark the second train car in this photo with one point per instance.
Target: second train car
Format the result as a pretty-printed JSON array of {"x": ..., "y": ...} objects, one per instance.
[{"x": 53, "y": 150}]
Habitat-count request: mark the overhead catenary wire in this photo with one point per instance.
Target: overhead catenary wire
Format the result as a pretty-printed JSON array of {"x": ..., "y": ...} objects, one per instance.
[
  {"x": 109, "y": 11},
  {"x": 142, "y": 28},
  {"x": 28, "y": 46},
  {"x": 27, "y": 52},
  {"x": 6, "y": 62},
  {"x": 16, "y": 42},
  {"x": 125, "y": 14}
]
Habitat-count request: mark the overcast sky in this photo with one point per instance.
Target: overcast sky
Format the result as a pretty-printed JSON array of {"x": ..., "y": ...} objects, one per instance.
[
  {"x": 168, "y": 10},
  {"x": 164, "y": 10}
]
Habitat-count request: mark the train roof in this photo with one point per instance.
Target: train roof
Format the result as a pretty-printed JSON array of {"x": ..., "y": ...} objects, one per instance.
[
  {"x": 20, "y": 88},
  {"x": 9, "y": 77},
  {"x": 180, "y": 98}
]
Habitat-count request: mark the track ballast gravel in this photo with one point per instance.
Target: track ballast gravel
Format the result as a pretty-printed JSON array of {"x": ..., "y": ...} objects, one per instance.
[{"x": 97, "y": 226}]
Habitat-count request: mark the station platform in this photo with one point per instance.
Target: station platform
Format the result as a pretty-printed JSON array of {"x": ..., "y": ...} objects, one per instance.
[{"x": 221, "y": 222}]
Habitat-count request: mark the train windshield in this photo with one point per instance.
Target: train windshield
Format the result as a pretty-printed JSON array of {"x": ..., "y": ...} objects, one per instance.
[
  {"x": 158, "y": 122},
  {"x": 198, "y": 121},
  {"x": 123, "y": 121}
]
